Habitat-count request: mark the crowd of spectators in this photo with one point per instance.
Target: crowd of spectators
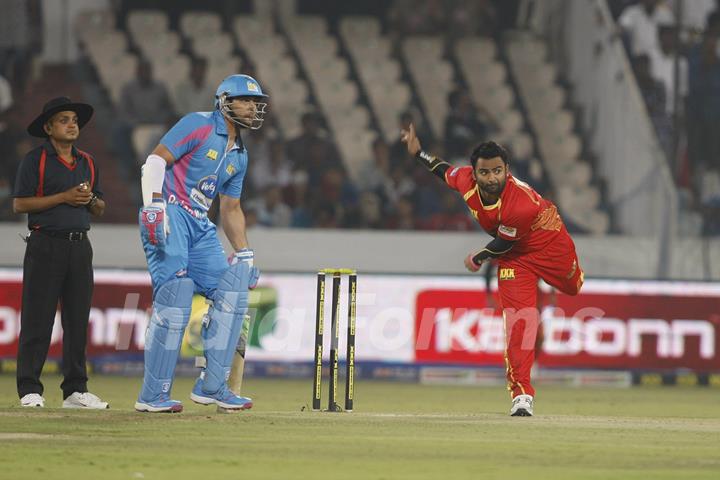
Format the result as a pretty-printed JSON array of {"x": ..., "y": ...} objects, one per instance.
[
  {"x": 455, "y": 18},
  {"x": 684, "y": 102},
  {"x": 302, "y": 182},
  {"x": 19, "y": 25}
]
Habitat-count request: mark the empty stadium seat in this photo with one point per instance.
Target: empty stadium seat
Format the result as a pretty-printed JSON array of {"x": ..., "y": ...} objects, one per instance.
[
  {"x": 276, "y": 69},
  {"x": 145, "y": 137},
  {"x": 379, "y": 73},
  {"x": 475, "y": 52},
  {"x": 200, "y": 24},
  {"x": 359, "y": 27},
  {"x": 558, "y": 122},
  {"x": 218, "y": 70},
  {"x": 521, "y": 145},
  {"x": 159, "y": 46},
  {"x": 510, "y": 122},
  {"x": 421, "y": 48},
  {"x": 147, "y": 23},
  {"x": 250, "y": 29},
  {"x": 115, "y": 71},
  {"x": 171, "y": 70},
  {"x": 337, "y": 94},
  {"x": 91, "y": 22},
  {"x": 423, "y": 55},
  {"x": 215, "y": 49},
  {"x": 555, "y": 126}
]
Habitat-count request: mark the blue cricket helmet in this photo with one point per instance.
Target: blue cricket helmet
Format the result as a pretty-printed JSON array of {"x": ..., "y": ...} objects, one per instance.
[{"x": 240, "y": 85}]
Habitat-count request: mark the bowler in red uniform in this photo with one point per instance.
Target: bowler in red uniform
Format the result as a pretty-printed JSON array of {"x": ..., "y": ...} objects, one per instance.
[{"x": 530, "y": 242}]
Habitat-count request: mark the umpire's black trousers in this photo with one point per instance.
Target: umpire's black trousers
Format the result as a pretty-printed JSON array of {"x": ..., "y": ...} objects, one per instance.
[{"x": 57, "y": 267}]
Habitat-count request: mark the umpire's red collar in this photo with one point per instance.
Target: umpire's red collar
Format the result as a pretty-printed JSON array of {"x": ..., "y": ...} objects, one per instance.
[{"x": 50, "y": 149}]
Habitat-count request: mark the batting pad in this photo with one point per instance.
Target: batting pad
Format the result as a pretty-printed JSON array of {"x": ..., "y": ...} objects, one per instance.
[
  {"x": 224, "y": 323},
  {"x": 170, "y": 315}
]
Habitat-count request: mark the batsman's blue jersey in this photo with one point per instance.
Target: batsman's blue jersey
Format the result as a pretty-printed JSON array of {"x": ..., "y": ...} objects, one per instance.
[{"x": 203, "y": 168}]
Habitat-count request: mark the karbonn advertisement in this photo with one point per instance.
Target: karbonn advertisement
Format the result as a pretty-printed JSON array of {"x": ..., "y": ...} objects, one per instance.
[
  {"x": 591, "y": 330},
  {"x": 429, "y": 320}
]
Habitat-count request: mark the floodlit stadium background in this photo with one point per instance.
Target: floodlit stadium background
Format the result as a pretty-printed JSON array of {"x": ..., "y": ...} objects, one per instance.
[{"x": 593, "y": 117}]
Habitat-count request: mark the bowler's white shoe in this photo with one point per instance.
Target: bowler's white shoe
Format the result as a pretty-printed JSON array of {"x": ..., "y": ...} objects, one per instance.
[
  {"x": 522, "y": 406},
  {"x": 85, "y": 400},
  {"x": 32, "y": 400}
]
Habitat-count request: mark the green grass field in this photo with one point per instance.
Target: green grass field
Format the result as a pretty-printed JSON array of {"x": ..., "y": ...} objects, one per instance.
[{"x": 402, "y": 431}]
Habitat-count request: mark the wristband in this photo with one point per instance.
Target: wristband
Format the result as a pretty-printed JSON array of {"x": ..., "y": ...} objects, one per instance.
[
  {"x": 431, "y": 161},
  {"x": 92, "y": 202},
  {"x": 480, "y": 257},
  {"x": 425, "y": 157}
]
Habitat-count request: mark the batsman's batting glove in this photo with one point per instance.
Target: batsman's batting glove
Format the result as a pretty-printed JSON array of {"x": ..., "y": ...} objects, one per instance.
[
  {"x": 247, "y": 255},
  {"x": 470, "y": 263},
  {"x": 154, "y": 223}
]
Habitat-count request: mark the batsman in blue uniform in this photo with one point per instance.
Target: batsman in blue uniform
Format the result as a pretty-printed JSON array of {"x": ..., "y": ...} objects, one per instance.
[{"x": 201, "y": 157}]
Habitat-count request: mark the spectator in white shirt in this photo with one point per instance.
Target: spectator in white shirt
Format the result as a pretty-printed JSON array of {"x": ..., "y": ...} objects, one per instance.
[
  {"x": 640, "y": 23},
  {"x": 662, "y": 67},
  {"x": 271, "y": 210},
  {"x": 694, "y": 13},
  {"x": 272, "y": 168},
  {"x": 6, "y": 98}
]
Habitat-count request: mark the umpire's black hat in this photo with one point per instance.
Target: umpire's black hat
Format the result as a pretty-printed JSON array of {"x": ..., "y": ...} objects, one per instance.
[{"x": 59, "y": 104}]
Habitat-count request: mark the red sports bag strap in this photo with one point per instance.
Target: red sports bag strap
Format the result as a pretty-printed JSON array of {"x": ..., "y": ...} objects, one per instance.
[
  {"x": 41, "y": 176},
  {"x": 92, "y": 168}
]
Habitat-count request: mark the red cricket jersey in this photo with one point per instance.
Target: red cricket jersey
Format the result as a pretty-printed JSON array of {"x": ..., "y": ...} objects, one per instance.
[{"x": 520, "y": 215}]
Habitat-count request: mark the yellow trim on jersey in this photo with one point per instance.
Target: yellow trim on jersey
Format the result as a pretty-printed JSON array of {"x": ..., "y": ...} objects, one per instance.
[
  {"x": 525, "y": 188},
  {"x": 470, "y": 193},
  {"x": 493, "y": 206},
  {"x": 509, "y": 368},
  {"x": 440, "y": 162},
  {"x": 491, "y": 253}
]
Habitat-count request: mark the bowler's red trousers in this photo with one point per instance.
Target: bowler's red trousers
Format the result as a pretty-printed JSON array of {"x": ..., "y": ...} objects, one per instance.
[{"x": 557, "y": 264}]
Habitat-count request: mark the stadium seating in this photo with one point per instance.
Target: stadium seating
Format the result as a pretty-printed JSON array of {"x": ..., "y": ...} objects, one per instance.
[
  {"x": 145, "y": 137},
  {"x": 559, "y": 146},
  {"x": 147, "y": 23},
  {"x": 338, "y": 95},
  {"x": 196, "y": 25},
  {"x": 379, "y": 73},
  {"x": 486, "y": 77},
  {"x": 432, "y": 76},
  {"x": 276, "y": 68},
  {"x": 107, "y": 49},
  {"x": 358, "y": 82}
]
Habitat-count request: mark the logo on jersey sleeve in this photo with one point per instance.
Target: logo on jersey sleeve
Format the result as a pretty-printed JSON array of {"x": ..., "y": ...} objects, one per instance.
[
  {"x": 204, "y": 191},
  {"x": 454, "y": 171},
  {"x": 230, "y": 169},
  {"x": 212, "y": 154},
  {"x": 507, "y": 231}
]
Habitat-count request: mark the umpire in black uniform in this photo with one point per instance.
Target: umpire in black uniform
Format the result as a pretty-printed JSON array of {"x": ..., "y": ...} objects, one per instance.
[{"x": 58, "y": 186}]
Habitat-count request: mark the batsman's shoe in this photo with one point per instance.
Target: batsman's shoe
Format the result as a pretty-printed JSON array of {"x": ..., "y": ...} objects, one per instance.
[
  {"x": 85, "y": 400},
  {"x": 522, "y": 406},
  {"x": 224, "y": 399},
  {"x": 32, "y": 400},
  {"x": 160, "y": 406}
]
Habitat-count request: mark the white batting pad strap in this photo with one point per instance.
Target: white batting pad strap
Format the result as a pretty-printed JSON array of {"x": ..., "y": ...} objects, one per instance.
[{"x": 152, "y": 177}]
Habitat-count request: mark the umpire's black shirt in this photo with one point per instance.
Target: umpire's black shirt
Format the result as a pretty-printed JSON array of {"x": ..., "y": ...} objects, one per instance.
[{"x": 42, "y": 173}]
